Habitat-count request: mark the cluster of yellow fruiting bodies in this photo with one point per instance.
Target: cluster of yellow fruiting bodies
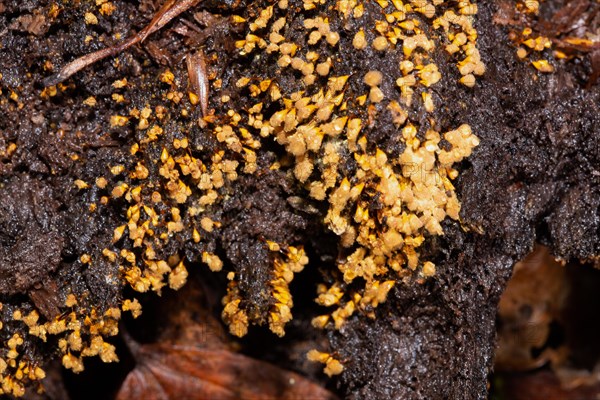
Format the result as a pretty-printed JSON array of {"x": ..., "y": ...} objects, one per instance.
[
  {"x": 383, "y": 208},
  {"x": 528, "y": 41},
  {"x": 80, "y": 334},
  {"x": 386, "y": 208},
  {"x": 287, "y": 261}
]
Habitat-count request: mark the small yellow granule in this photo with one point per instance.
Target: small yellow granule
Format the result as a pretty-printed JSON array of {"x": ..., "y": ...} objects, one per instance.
[
  {"x": 90, "y": 19},
  {"x": 121, "y": 83},
  {"x": 428, "y": 269},
  {"x": 118, "y": 120},
  {"x": 359, "y": 42},
  {"x": 468, "y": 80},
  {"x": 373, "y": 78},
  {"x": 543, "y": 66},
  {"x": 107, "y": 8},
  {"x": 90, "y": 101},
  {"x": 376, "y": 95},
  {"x": 380, "y": 43},
  {"x": 213, "y": 261},
  {"x": 167, "y": 77},
  {"x": 133, "y": 306}
]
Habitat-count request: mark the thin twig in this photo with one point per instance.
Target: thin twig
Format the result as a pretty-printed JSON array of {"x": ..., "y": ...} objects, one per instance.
[{"x": 169, "y": 10}]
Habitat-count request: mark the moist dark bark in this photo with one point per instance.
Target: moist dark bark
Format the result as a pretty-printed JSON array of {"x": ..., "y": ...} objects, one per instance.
[
  {"x": 535, "y": 176},
  {"x": 30, "y": 234}
]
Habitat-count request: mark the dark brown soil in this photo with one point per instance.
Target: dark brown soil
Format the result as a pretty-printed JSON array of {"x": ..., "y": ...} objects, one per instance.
[{"x": 534, "y": 177}]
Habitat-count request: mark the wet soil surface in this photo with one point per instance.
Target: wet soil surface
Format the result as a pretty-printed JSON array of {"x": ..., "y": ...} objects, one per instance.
[{"x": 534, "y": 177}]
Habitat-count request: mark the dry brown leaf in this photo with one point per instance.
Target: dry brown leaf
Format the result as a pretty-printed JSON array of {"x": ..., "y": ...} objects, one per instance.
[
  {"x": 533, "y": 299},
  {"x": 543, "y": 385},
  {"x": 166, "y": 372}
]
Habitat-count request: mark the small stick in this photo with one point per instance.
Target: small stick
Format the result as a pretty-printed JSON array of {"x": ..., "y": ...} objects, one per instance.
[
  {"x": 169, "y": 10},
  {"x": 198, "y": 78}
]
